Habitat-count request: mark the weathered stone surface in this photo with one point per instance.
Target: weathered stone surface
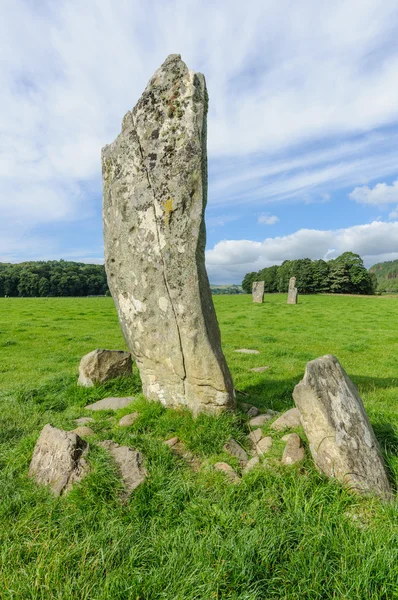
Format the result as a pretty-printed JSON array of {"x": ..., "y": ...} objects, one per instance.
[
  {"x": 255, "y": 436},
  {"x": 58, "y": 459},
  {"x": 128, "y": 420},
  {"x": 100, "y": 365},
  {"x": 234, "y": 449},
  {"x": 294, "y": 451},
  {"x": 228, "y": 470},
  {"x": 247, "y": 351},
  {"x": 264, "y": 445},
  {"x": 341, "y": 437},
  {"x": 289, "y": 420},
  {"x": 129, "y": 462},
  {"x": 155, "y": 193},
  {"x": 259, "y": 369},
  {"x": 292, "y": 295},
  {"x": 251, "y": 464},
  {"x": 110, "y": 403},
  {"x": 260, "y": 420},
  {"x": 83, "y": 431},
  {"x": 258, "y": 292},
  {"x": 84, "y": 420},
  {"x": 253, "y": 412},
  {"x": 171, "y": 442}
]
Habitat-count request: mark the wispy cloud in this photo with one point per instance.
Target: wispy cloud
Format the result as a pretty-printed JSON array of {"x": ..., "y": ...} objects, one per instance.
[{"x": 267, "y": 219}]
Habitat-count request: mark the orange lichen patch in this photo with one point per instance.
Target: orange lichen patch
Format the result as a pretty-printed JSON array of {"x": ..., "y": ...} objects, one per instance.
[{"x": 168, "y": 209}]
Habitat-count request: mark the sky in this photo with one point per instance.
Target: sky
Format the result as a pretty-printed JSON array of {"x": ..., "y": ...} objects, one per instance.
[{"x": 302, "y": 125}]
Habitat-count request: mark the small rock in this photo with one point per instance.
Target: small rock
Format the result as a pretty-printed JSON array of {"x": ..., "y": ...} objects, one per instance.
[
  {"x": 247, "y": 351},
  {"x": 234, "y": 449},
  {"x": 264, "y": 445},
  {"x": 259, "y": 421},
  {"x": 228, "y": 470},
  {"x": 129, "y": 462},
  {"x": 128, "y": 420},
  {"x": 171, "y": 442},
  {"x": 294, "y": 451},
  {"x": 59, "y": 459},
  {"x": 253, "y": 412},
  {"x": 110, "y": 403},
  {"x": 84, "y": 431},
  {"x": 100, "y": 365},
  {"x": 251, "y": 464},
  {"x": 255, "y": 436},
  {"x": 258, "y": 369},
  {"x": 84, "y": 420},
  {"x": 245, "y": 406},
  {"x": 289, "y": 420}
]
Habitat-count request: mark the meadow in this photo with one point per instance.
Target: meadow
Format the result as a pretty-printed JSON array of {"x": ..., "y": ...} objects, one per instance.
[{"x": 283, "y": 532}]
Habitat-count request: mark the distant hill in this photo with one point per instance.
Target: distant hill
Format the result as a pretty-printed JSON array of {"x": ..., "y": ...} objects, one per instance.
[
  {"x": 226, "y": 289},
  {"x": 387, "y": 275}
]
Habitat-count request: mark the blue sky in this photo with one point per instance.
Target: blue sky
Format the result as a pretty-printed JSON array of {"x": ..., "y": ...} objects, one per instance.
[{"x": 302, "y": 129}]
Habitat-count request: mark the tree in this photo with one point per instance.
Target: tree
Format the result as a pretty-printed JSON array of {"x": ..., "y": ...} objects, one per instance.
[{"x": 248, "y": 281}]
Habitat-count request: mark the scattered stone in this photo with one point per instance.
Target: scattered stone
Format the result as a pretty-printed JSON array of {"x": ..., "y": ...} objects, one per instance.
[
  {"x": 128, "y": 420},
  {"x": 294, "y": 451},
  {"x": 289, "y": 420},
  {"x": 251, "y": 464},
  {"x": 247, "y": 351},
  {"x": 292, "y": 295},
  {"x": 171, "y": 442},
  {"x": 255, "y": 436},
  {"x": 253, "y": 412},
  {"x": 342, "y": 441},
  {"x": 245, "y": 406},
  {"x": 188, "y": 457},
  {"x": 84, "y": 420},
  {"x": 84, "y": 431},
  {"x": 59, "y": 459},
  {"x": 100, "y": 365},
  {"x": 129, "y": 462},
  {"x": 258, "y": 292},
  {"x": 110, "y": 403},
  {"x": 228, "y": 470},
  {"x": 155, "y": 193},
  {"x": 264, "y": 445},
  {"x": 234, "y": 449},
  {"x": 258, "y": 369},
  {"x": 260, "y": 420}
]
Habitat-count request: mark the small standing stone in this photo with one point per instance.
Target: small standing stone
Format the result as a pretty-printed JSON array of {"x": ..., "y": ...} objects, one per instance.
[
  {"x": 289, "y": 420},
  {"x": 294, "y": 451},
  {"x": 228, "y": 470},
  {"x": 258, "y": 292},
  {"x": 129, "y": 462},
  {"x": 100, "y": 365},
  {"x": 128, "y": 420},
  {"x": 292, "y": 293},
  {"x": 234, "y": 449},
  {"x": 110, "y": 403}
]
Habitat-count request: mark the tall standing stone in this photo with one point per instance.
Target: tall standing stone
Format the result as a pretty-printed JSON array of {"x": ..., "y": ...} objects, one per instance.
[
  {"x": 258, "y": 292},
  {"x": 292, "y": 293},
  {"x": 155, "y": 193},
  {"x": 341, "y": 437}
]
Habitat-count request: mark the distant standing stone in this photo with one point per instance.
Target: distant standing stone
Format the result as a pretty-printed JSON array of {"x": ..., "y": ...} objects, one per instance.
[
  {"x": 292, "y": 293},
  {"x": 247, "y": 351},
  {"x": 155, "y": 194},
  {"x": 129, "y": 462},
  {"x": 341, "y": 438},
  {"x": 110, "y": 403},
  {"x": 258, "y": 292},
  {"x": 289, "y": 420},
  {"x": 128, "y": 420},
  {"x": 100, "y": 365},
  {"x": 294, "y": 451},
  {"x": 59, "y": 459}
]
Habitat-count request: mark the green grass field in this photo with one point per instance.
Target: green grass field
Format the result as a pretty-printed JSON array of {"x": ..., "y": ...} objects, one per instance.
[{"x": 183, "y": 535}]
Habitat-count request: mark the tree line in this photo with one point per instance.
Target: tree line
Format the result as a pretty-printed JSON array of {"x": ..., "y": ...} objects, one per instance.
[
  {"x": 52, "y": 278},
  {"x": 345, "y": 274},
  {"x": 387, "y": 276}
]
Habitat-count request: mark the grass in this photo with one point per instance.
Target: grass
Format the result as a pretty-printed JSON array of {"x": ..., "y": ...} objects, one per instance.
[{"x": 282, "y": 533}]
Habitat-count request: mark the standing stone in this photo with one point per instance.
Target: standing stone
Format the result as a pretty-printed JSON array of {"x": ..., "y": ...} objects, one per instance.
[
  {"x": 292, "y": 293},
  {"x": 341, "y": 437},
  {"x": 101, "y": 365},
  {"x": 155, "y": 193},
  {"x": 258, "y": 292}
]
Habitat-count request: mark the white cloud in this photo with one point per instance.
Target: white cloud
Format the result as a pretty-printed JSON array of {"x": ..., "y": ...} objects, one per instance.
[
  {"x": 229, "y": 260},
  {"x": 380, "y": 194},
  {"x": 394, "y": 213},
  {"x": 267, "y": 219}
]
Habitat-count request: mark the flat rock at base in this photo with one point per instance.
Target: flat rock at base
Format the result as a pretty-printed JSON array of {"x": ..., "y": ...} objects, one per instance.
[
  {"x": 101, "y": 365},
  {"x": 294, "y": 451},
  {"x": 253, "y": 412},
  {"x": 247, "y": 351},
  {"x": 58, "y": 459},
  {"x": 260, "y": 420},
  {"x": 129, "y": 462},
  {"x": 258, "y": 369},
  {"x": 289, "y": 420},
  {"x": 110, "y": 403},
  {"x": 234, "y": 449},
  {"x": 171, "y": 442},
  {"x": 154, "y": 199},
  {"x": 84, "y": 420},
  {"x": 128, "y": 420},
  {"x": 255, "y": 436},
  {"x": 228, "y": 470},
  {"x": 264, "y": 445},
  {"x": 342, "y": 441},
  {"x": 251, "y": 464},
  {"x": 258, "y": 292},
  {"x": 84, "y": 431}
]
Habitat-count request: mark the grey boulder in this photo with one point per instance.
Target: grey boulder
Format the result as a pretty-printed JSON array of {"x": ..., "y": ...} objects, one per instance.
[
  {"x": 100, "y": 365},
  {"x": 288, "y": 420}
]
